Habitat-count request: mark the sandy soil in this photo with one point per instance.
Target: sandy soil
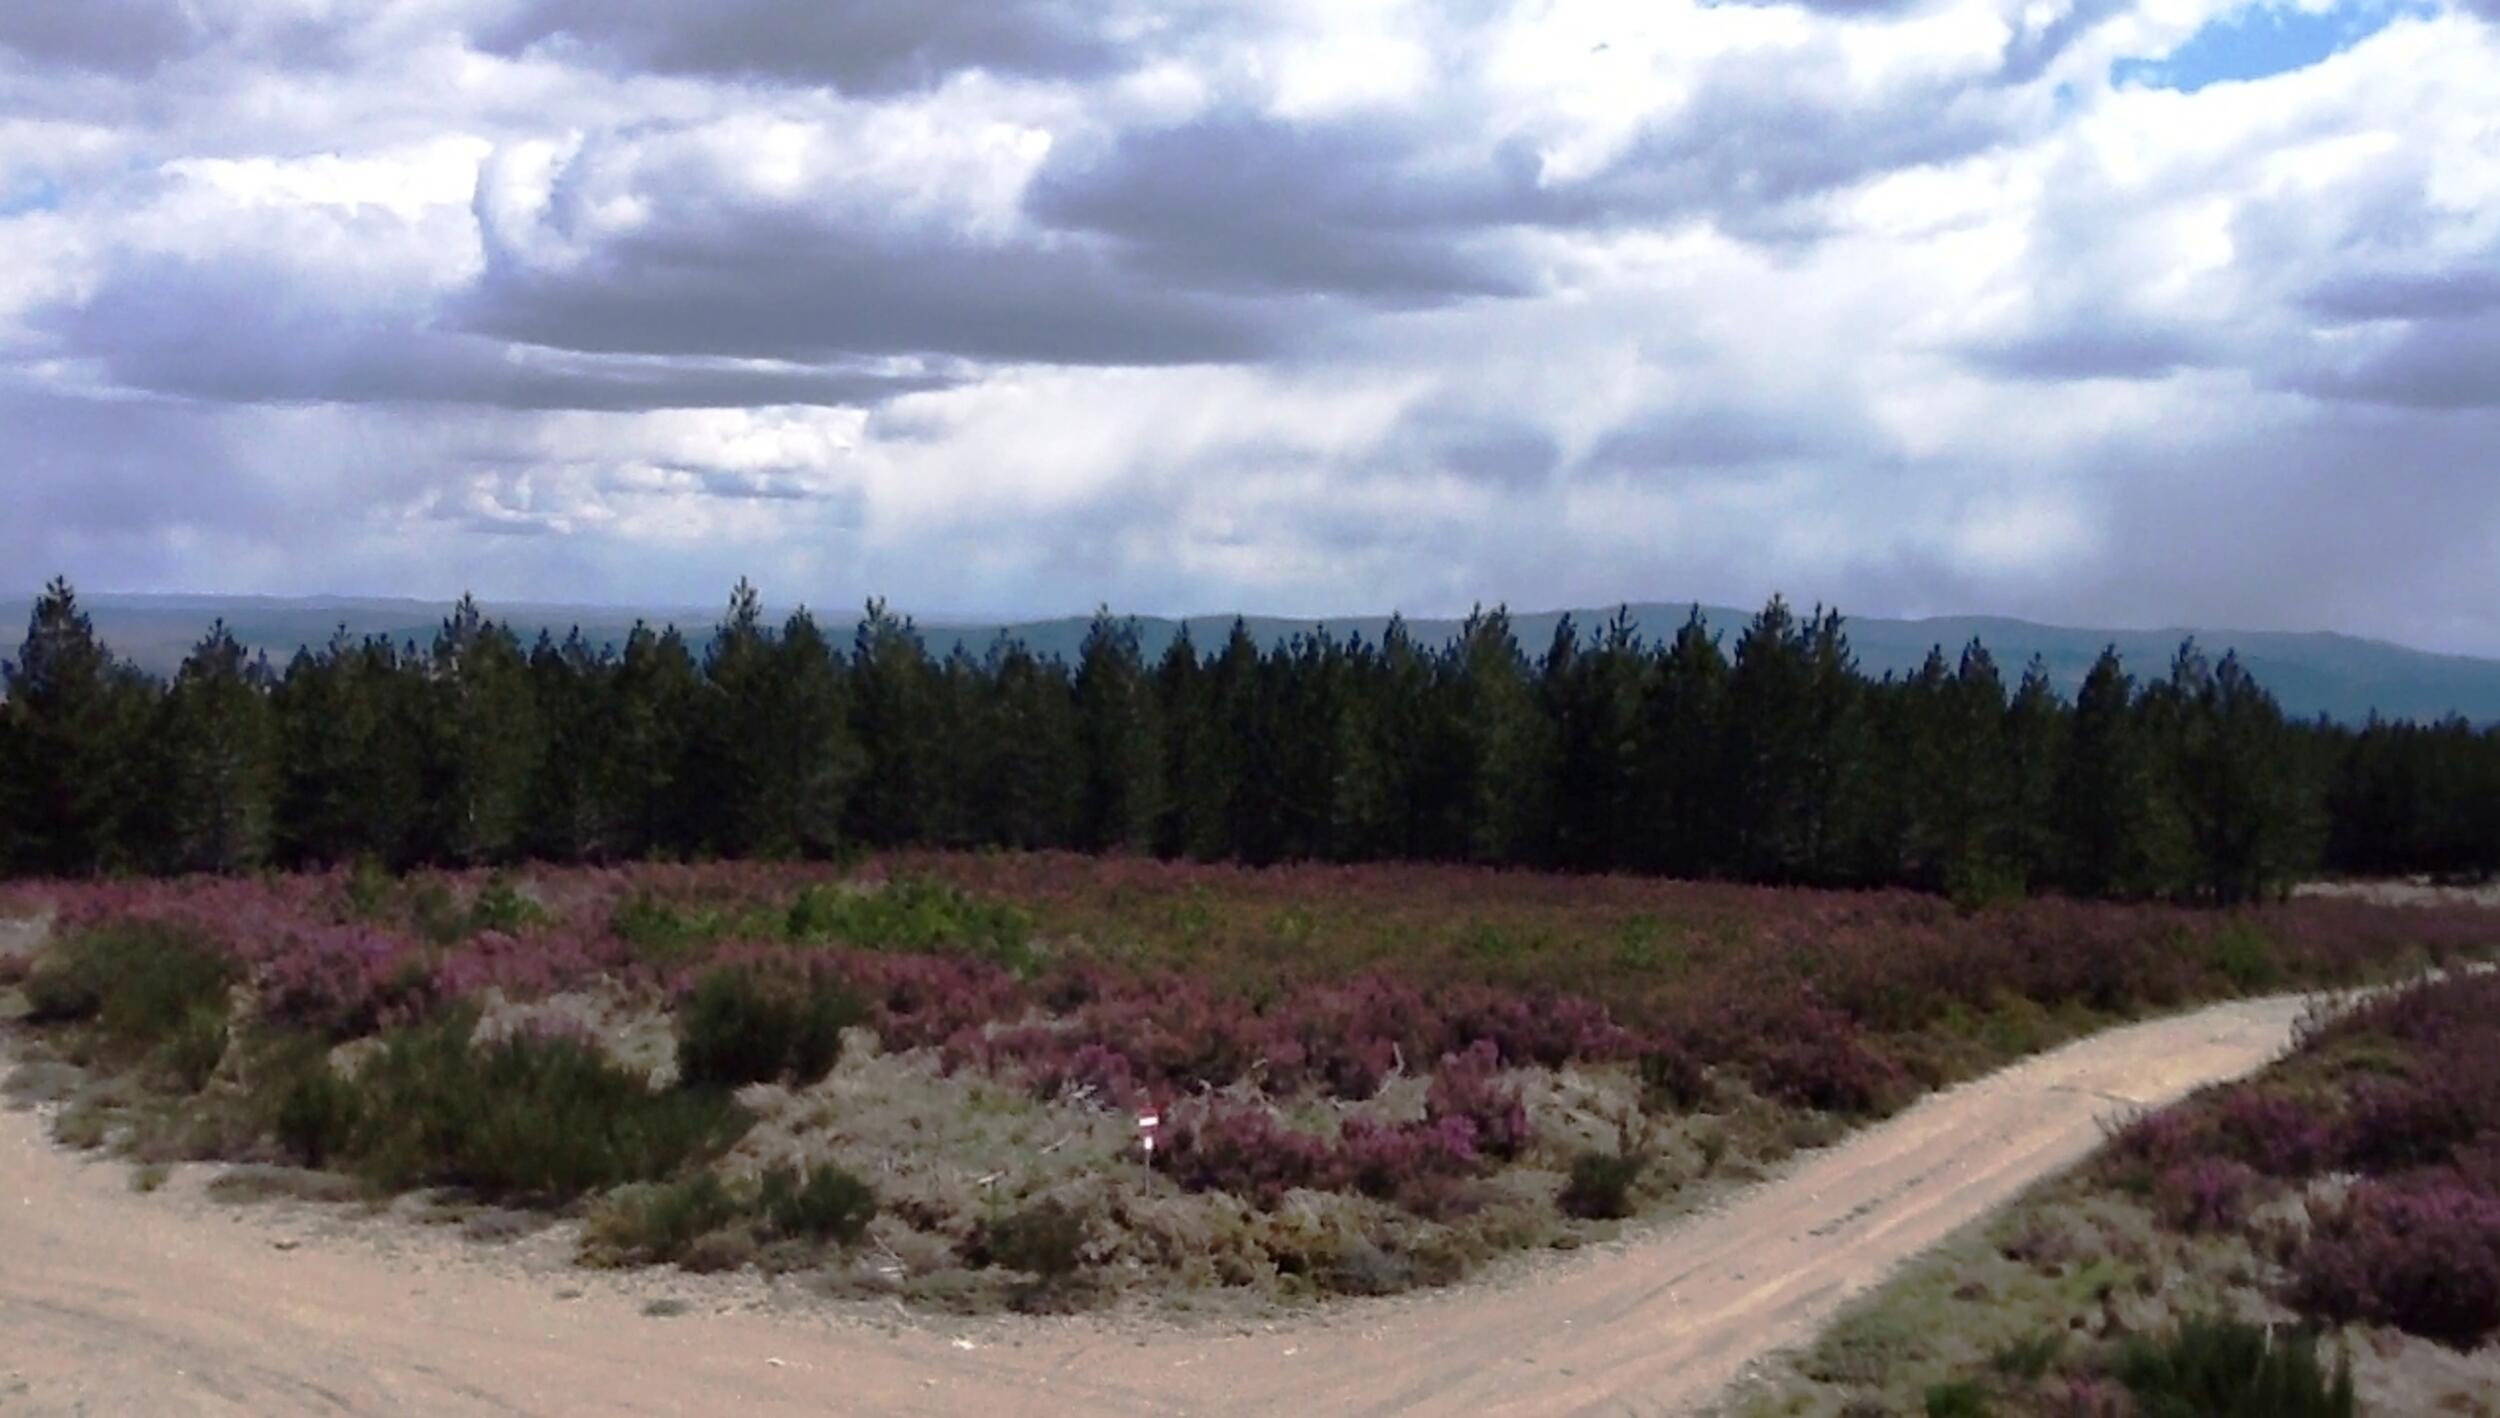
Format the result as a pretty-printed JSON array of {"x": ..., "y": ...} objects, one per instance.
[{"x": 115, "y": 1302}]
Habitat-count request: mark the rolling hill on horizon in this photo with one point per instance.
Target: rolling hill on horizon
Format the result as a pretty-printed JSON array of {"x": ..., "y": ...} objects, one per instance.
[{"x": 2315, "y": 672}]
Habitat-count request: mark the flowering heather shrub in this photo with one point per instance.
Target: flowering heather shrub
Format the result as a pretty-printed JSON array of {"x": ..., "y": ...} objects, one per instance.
[
  {"x": 1168, "y": 979},
  {"x": 2274, "y": 1132},
  {"x": 924, "y": 1001},
  {"x": 1096, "y": 1072},
  {"x": 1347, "y": 1036},
  {"x": 1543, "y": 1026},
  {"x": 2394, "y": 1124},
  {"x": 1824, "y": 1062},
  {"x": 1403, "y": 1161},
  {"x": 1467, "y": 1088},
  {"x": 2206, "y": 1194},
  {"x": 2160, "y": 1140},
  {"x": 345, "y": 981},
  {"x": 1244, "y": 1150},
  {"x": 2421, "y": 1254}
]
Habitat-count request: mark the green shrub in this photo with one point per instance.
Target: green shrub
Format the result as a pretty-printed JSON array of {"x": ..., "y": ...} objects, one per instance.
[
  {"x": 665, "y": 933},
  {"x": 316, "y": 1114},
  {"x": 823, "y": 1203},
  {"x": 500, "y": 906},
  {"x": 660, "y": 1223},
  {"x": 433, "y": 914},
  {"x": 2243, "y": 954},
  {"x": 913, "y": 913},
  {"x": 196, "y": 1048},
  {"x": 371, "y": 890},
  {"x": 528, "y": 1116},
  {"x": 1672, "y": 1080},
  {"x": 139, "y": 981},
  {"x": 1961, "y": 1398},
  {"x": 1046, "y": 1239},
  {"x": 1601, "y": 1184},
  {"x": 2029, "y": 1359},
  {"x": 749, "y": 1024},
  {"x": 2219, "y": 1368}
]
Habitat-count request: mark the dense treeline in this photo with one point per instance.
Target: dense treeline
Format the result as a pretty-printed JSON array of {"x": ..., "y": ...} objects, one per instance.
[{"x": 1769, "y": 759}]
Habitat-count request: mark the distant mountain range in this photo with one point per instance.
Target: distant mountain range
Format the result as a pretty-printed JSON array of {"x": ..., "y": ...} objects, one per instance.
[{"x": 2342, "y": 676}]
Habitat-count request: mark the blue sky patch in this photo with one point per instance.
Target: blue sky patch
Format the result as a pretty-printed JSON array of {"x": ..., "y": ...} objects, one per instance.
[
  {"x": 30, "y": 193},
  {"x": 2259, "y": 41}
]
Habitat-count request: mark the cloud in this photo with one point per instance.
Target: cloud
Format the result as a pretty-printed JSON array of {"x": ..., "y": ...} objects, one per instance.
[
  {"x": 1717, "y": 435},
  {"x": 1014, "y": 307},
  {"x": 2406, "y": 295},
  {"x": 2426, "y": 364},
  {"x": 121, "y": 37},
  {"x": 1241, "y": 202},
  {"x": 784, "y": 287},
  {"x": 251, "y": 332},
  {"x": 860, "y": 46},
  {"x": 2094, "y": 351}
]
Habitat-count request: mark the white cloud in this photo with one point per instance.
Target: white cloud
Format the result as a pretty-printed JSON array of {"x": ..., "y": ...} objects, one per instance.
[{"x": 1304, "y": 307}]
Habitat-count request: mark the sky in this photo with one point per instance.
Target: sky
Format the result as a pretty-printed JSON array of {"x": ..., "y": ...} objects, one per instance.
[{"x": 2102, "y": 312}]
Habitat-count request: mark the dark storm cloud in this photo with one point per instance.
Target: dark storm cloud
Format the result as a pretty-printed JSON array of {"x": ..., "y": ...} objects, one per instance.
[
  {"x": 249, "y": 332},
  {"x": 778, "y": 284},
  {"x": 1711, "y": 436},
  {"x": 2373, "y": 506},
  {"x": 1488, "y": 449},
  {"x": 1756, "y": 138},
  {"x": 1387, "y": 213},
  {"x": 121, "y": 489},
  {"x": 859, "y": 46},
  {"x": 1244, "y": 202},
  {"x": 2430, "y": 364},
  {"x": 2119, "y": 348},
  {"x": 123, "y": 37},
  {"x": 2368, "y": 295}
]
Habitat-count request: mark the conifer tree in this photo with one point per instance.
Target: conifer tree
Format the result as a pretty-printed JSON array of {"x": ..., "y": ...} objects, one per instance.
[
  {"x": 651, "y": 732},
  {"x": 1190, "y": 798},
  {"x": 2112, "y": 823},
  {"x": 483, "y": 746},
  {"x": 1591, "y": 697},
  {"x": 1683, "y": 786},
  {"x": 1237, "y": 758},
  {"x": 1120, "y": 758},
  {"x": 2235, "y": 779},
  {"x": 2036, "y": 726},
  {"x": 218, "y": 739},
  {"x": 1301, "y": 695},
  {"x": 892, "y": 724},
  {"x": 804, "y": 758},
  {"x": 1771, "y": 734},
  {"x": 78, "y": 721},
  {"x": 569, "y": 690},
  {"x": 1509, "y": 748},
  {"x": 1028, "y": 789}
]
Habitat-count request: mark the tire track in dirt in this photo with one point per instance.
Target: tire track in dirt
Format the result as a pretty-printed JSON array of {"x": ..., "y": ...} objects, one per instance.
[{"x": 117, "y": 1302}]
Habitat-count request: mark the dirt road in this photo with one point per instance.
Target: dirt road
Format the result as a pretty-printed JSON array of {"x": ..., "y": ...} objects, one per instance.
[{"x": 113, "y": 1302}]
